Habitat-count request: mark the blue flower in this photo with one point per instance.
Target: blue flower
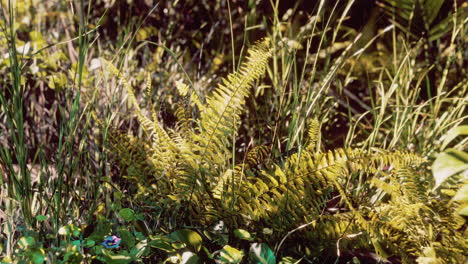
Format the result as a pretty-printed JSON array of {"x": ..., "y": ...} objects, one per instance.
[{"x": 112, "y": 242}]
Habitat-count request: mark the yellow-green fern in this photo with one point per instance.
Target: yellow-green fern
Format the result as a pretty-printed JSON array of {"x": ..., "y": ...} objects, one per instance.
[{"x": 379, "y": 194}]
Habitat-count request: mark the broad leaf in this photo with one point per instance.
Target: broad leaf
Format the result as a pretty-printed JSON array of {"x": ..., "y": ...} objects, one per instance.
[
  {"x": 453, "y": 133},
  {"x": 462, "y": 194},
  {"x": 161, "y": 244},
  {"x": 262, "y": 253},
  {"x": 462, "y": 197},
  {"x": 117, "y": 258},
  {"x": 243, "y": 234},
  {"x": 463, "y": 210},
  {"x": 190, "y": 258},
  {"x": 37, "y": 256},
  {"x": 188, "y": 237},
  {"x": 448, "y": 164},
  {"x": 26, "y": 242},
  {"x": 127, "y": 214},
  {"x": 231, "y": 255}
]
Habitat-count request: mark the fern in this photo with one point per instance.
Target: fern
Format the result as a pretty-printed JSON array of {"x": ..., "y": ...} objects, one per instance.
[
  {"x": 191, "y": 164},
  {"x": 220, "y": 120},
  {"x": 195, "y": 159},
  {"x": 313, "y": 135},
  {"x": 232, "y": 178}
]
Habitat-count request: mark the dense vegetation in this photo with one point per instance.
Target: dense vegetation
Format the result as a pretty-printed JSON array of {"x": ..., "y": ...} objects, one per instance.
[{"x": 243, "y": 131}]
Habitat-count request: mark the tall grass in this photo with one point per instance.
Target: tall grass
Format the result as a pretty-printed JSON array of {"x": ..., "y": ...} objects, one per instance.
[
  {"x": 57, "y": 187},
  {"x": 19, "y": 182}
]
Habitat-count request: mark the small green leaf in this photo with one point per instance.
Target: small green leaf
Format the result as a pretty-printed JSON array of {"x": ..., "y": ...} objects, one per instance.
[
  {"x": 262, "y": 253},
  {"x": 128, "y": 239},
  {"x": 189, "y": 237},
  {"x": 89, "y": 243},
  {"x": 76, "y": 243},
  {"x": 267, "y": 231},
  {"x": 231, "y": 255},
  {"x": 127, "y": 214},
  {"x": 449, "y": 163},
  {"x": 37, "y": 256},
  {"x": 76, "y": 233},
  {"x": 57, "y": 81},
  {"x": 41, "y": 218},
  {"x": 26, "y": 242},
  {"x": 69, "y": 230},
  {"x": 139, "y": 235},
  {"x": 243, "y": 234},
  {"x": 72, "y": 257}
]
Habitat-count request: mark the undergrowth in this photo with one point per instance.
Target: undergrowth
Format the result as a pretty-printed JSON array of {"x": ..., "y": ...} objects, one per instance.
[{"x": 233, "y": 132}]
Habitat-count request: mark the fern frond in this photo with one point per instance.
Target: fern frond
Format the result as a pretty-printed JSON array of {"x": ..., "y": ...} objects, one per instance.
[
  {"x": 221, "y": 117},
  {"x": 184, "y": 121},
  {"x": 256, "y": 156},
  {"x": 313, "y": 135},
  {"x": 413, "y": 187},
  {"x": 130, "y": 151},
  {"x": 207, "y": 160},
  {"x": 146, "y": 123},
  {"x": 288, "y": 193},
  {"x": 148, "y": 87},
  {"x": 183, "y": 90},
  {"x": 162, "y": 144},
  {"x": 230, "y": 180},
  {"x": 303, "y": 185},
  {"x": 337, "y": 231},
  {"x": 381, "y": 158}
]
